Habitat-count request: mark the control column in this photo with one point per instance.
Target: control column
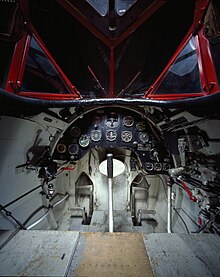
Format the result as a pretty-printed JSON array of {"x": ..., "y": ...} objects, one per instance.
[{"x": 110, "y": 193}]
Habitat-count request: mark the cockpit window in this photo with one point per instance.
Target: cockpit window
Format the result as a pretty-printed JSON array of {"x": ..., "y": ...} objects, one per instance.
[
  {"x": 123, "y": 5},
  {"x": 183, "y": 76},
  {"x": 40, "y": 74},
  {"x": 101, "y": 6},
  {"x": 6, "y": 51}
]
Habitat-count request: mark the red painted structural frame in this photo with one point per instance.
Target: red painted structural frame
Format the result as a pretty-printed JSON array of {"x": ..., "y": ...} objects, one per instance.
[
  {"x": 112, "y": 43},
  {"x": 206, "y": 66},
  {"x": 207, "y": 72},
  {"x": 205, "y": 63},
  {"x": 17, "y": 67}
]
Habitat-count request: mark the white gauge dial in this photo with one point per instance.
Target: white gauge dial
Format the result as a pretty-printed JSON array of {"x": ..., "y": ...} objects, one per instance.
[
  {"x": 126, "y": 136},
  {"x": 84, "y": 141},
  {"x": 96, "y": 135},
  {"x": 144, "y": 137},
  {"x": 111, "y": 135},
  {"x": 128, "y": 121}
]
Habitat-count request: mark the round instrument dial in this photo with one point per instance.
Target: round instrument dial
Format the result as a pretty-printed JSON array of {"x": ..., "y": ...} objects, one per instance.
[
  {"x": 166, "y": 166},
  {"x": 111, "y": 135},
  {"x": 144, "y": 137},
  {"x": 61, "y": 148},
  {"x": 73, "y": 149},
  {"x": 96, "y": 135},
  {"x": 84, "y": 141},
  {"x": 75, "y": 131},
  {"x": 149, "y": 166},
  {"x": 128, "y": 121},
  {"x": 158, "y": 166},
  {"x": 126, "y": 136},
  {"x": 141, "y": 126}
]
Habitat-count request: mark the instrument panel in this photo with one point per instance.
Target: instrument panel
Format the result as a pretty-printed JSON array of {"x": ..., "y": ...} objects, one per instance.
[{"x": 113, "y": 128}]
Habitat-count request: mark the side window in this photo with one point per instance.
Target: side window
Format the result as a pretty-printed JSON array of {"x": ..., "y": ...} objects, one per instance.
[
  {"x": 40, "y": 74},
  {"x": 6, "y": 52},
  {"x": 215, "y": 50},
  {"x": 183, "y": 76},
  {"x": 100, "y": 6},
  {"x": 122, "y": 6}
]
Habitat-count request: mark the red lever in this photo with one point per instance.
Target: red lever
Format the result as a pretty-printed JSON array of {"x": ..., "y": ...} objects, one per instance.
[{"x": 191, "y": 196}]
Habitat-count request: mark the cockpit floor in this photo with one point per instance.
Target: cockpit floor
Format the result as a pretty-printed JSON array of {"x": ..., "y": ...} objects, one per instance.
[
  {"x": 68, "y": 253},
  {"x": 111, "y": 254}
]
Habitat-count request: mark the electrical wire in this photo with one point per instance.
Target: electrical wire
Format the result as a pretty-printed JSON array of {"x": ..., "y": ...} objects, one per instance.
[
  {"x": 9, "y": 214},
  {"x": 163, "y": 182},
  {"x": 188, "y": 216},
  {"x": 181, "y": 220}
]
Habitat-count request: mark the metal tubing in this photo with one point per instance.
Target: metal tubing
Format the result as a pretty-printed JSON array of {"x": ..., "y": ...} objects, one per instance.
[
  {"x": 20, "y": 197},
  {"x": 110, "y": 205},
  {"x": 110, "y": 194},
  {"x": 47, "y": 212},
  {"x": 169, "y": 209}
]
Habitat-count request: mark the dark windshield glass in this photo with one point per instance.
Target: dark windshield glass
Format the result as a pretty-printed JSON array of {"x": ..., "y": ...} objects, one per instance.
[
  {"x": 6, "y": 51},
  {"x": 183, "y": 76},
  {"x": 215, "y": 50},
  {"x": 123, "y": 5},
  {"x": 101, "y": 6},
  {"x": 40, "y": 74}
]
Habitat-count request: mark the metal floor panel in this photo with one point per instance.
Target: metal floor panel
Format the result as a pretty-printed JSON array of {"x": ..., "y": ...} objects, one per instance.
[
  {"x": 61, "y": 253},
  {"x": 184, "y": 255},
  {"x": 38, "y": 253},
  {"x": 110, "y": 255}
]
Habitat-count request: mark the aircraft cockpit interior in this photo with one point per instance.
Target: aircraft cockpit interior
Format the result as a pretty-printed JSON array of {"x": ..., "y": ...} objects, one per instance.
[{"x": 109, "y": 138}]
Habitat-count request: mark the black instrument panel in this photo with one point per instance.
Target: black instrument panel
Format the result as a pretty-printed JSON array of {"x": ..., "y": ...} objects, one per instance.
[{"x": 113, "y": 128}]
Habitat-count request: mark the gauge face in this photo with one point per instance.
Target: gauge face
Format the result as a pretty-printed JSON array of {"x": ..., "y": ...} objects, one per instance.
[
  {"x": 144, "y": 137},
  {"x": 158, "y": 166},
  {"x": 75, "y": 131},
  {"x": 61, "y": 148},
  {"x": 128, "y": 121},
  {"x": 112, "y": 120},
  {"x": 141, "y": 126},
  {"x": 111, "y": 135},
  {"x": 96, "y": 135},
  {"x": 126, "y": 136},
  {"x": 84, "y": 141},
  {"x": 166, "y": 166},
  {"x": 149, "y": 166},
  {"x": 73, "y": 149}
]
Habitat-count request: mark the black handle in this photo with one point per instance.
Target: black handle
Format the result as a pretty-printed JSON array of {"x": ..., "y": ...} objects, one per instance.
[{"x": 110, "y": 165}]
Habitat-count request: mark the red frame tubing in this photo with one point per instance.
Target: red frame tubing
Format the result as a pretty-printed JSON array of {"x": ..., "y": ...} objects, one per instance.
[
  {"x": 111, "y": 43},
  {"x": 150, "y": 92},
  {"x": 112, "y": 73},
  {"x": 84, "y": 21},
  {"x": 206, "y": 65},
  {"x": 203, "y": 55},
  {"x": 153, "y": 8},
  {"x": 17, "y": 68},
  {"x": 11, "y": 84}
]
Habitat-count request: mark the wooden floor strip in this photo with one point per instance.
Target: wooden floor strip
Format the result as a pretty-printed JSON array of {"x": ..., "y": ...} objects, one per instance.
[{"x": 111, "y": 254}]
